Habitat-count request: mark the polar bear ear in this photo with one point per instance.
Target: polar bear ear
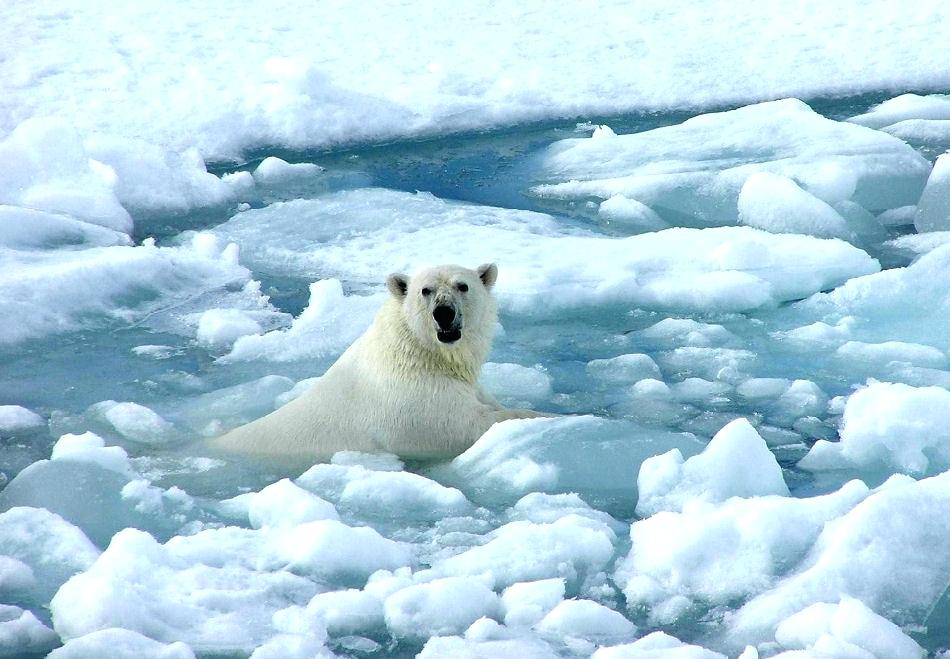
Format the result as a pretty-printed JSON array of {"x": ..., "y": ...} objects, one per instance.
[
  {"x": 398, "y": 284},
  {"x": 488, "y": 273}
]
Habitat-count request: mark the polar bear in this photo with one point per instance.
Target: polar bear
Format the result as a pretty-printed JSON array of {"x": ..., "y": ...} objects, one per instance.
[{"x": 408, "y": 385}]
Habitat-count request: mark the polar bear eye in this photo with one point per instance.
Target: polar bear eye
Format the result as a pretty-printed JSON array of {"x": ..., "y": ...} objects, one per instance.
[
  {"x": 426, "y": 292},
  {"x": 463, "y": 287}
]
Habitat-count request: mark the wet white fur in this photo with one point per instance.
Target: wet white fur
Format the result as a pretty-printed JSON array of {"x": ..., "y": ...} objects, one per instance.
[{"x": 397, "y": 389}]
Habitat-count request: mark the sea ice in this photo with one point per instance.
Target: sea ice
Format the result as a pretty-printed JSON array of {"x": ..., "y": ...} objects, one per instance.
[
  {"x": 849, "y": 622},
  {"x": 543, "y": 268},
  {"x": 14, "y": 418},
  {"x": 21, "y": 632},
  {"x": 440, "y": 607},
  {"x": 515, "y": 385},
  {"x": 517, "y": 457},
  {"x": 933, "y": 209},
  {"x": 118, "y": 643},
  {"x": 656, "y": 645},
  {"x": 871, "y": 553},
  {"x": 889, "y": 428},
  {"x": 693, "y": 172},
  {"x": 684, "y": 563},
  {"x": 55, "y": 291},
  {"x": 776, "y": 203},
  {"x": 736, "y": 463},
  {"x": 273, "y": 171}
]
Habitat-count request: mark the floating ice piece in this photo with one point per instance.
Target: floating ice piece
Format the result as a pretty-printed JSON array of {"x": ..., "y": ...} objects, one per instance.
[
  {"x": 933, "y": 209},
  {"x": 15, "y": 575},
  {"x": 465, "y": 648},
  {"x": 24, "y": 228},
  {"x": 871, "y": 553},
  {"x": 777, "y": 204},
  {"x": 286, "y": 504},
  {"x": 117, "y": 643},
  {"x": 172, "y": 591},
  {"x": 92, "y": 449},
  {"x": 736, "y": 463},
  {"x": 587, "y": 620},
  {"x": 47, "y": 550},
  {"x": 22, "y": 633},
  {"x": 513, "y": 383},
  {"x": 763, "y": 388},
  {"x": 695, "y": 170},
  {"x": 657, "y": 645},
  {"x": 220, "y": 328},
  {"x": 889, "y": 427},
  {"x": 623, "y": 369},
  {"x": 273, "y": 171},
  {"x": 517, "y": 457},
  {"x": 629, "y": 215},
  {"x": 848, "y": 621},
  {"x": 293, "y": 646},
  {"x": 903, "y": 108},
  {"x": 384, "y": 493},
  {"x": 544, "y": 268},
  {"x": 212, "y": 413},
  {"x": 709, "y": 555},
  {"x": 54, "y": 291},
  {"x": 330, "y": 323},
  {"x": 909, "y": 304},
  {"x": 343, "y": 612},
  {"x": 14, "y": 418},
  {"x": 571, "y": 548},
  {"x": 898, "y": 217},
  {"x": 151, "y": 178},
  {"x": 916, "y": 244},
  {"x": 724, "y": 364},
  {"x": 527, "y": 602},
  {"x": 439, "y": 608},
  {"x": 679, "y": 332},
  {"x": 802, "y": 398},
  {"x": 44, "y": 166},
  {"x": 135, "y": 422},
  {"x": 914, "y": 354}
]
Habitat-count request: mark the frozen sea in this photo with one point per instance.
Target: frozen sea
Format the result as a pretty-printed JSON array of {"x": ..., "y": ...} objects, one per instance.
[{"x": 737, "y": 299}]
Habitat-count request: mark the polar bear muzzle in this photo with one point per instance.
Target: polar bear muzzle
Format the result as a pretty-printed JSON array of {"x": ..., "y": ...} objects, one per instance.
[{"x": 448, "y": 323}]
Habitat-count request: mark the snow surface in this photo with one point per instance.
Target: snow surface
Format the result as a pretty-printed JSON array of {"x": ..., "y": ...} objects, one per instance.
[{"x": 735, "y": 301}]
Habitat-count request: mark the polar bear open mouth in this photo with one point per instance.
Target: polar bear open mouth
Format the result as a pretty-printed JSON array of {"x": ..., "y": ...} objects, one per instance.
[{"x": 449, "y": 336}]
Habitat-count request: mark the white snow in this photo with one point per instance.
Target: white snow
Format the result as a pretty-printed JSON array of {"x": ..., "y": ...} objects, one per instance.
[
  {"x": 776, "y": 203},
  {"x": 14, "y": 418},
  {"x": 933, "y": 209},
  {"x": 695, "y": 171},
  {"x": 91, "y": 448},
  {"x": 21, "y": 631},
  {"x": 120, "y": 644},
  {"x": 736, "y": 463},
  {"x": 439, "y": 608},
  {"x": 889, "y": 428},
  {"x": 286, "y": 504},
  {"x": 220, "y": 328},
  {"x": 361, "y": 234},
  {"x": 623, "y": 369},
  {"x": 711, "y": 554},
  {"x": 514, "y": 384},
  {"x": 135, "y": 422},
  {"x": 274, "y": 170},
  {"x": 849, "y": 622},
  {"x": 872, "y": 554},
  {"x": 56, "y": 291},
  {"x": 527, "y": 602}
]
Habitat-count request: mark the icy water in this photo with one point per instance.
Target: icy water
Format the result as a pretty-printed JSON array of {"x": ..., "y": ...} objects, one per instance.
[{"x": 61, "y": 376}]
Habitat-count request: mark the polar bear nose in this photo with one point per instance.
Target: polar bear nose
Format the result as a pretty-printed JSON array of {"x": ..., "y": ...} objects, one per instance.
[{"x": 444, "y": 316}]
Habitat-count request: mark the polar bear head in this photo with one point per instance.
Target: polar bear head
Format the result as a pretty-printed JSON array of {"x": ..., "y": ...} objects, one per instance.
[{"x": 449, "y": 307}]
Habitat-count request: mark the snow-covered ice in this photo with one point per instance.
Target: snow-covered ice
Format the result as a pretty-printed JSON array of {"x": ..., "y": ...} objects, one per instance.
[{"x": 724, "y": 271}]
